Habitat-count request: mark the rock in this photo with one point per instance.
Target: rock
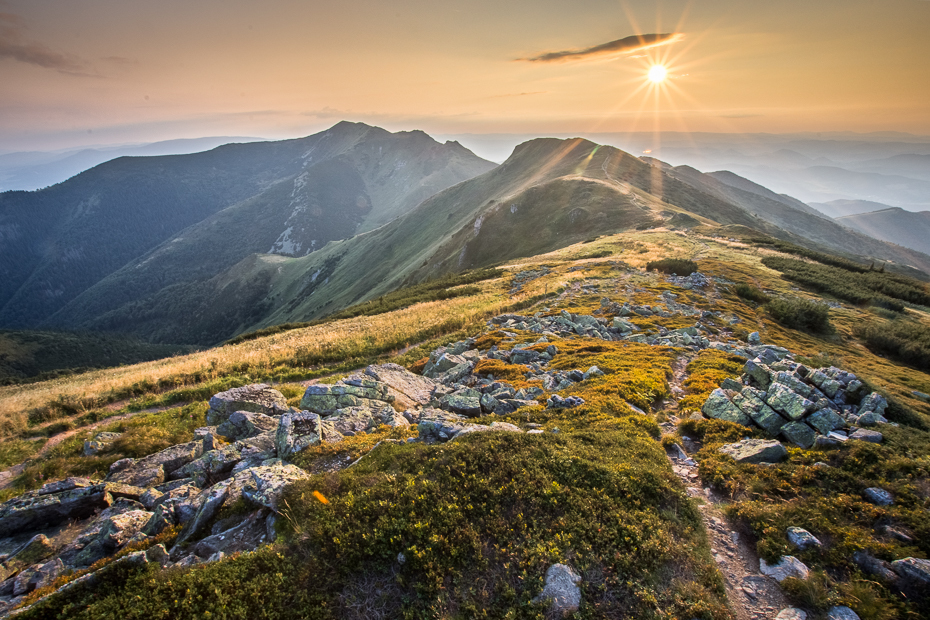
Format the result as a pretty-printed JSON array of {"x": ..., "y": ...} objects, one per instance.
[
  {"x": 439, "y": 426},
  {"x": 914, "y": 570},
  {"x": 754, "y": 338},
  {"x": 841, "y": 612},
  {"x": 791, "y": 613},
  {"x": 245, "y": 536},
  {"x": 353, "y": 420},
  {"x": 259, "y": 447},
  {"x": 244, "y": 424},
  {"x": 113, "y": 532},
  {"x": 268, "y": 483},
  {"x": 211, "y": 465},
  {"x": 758, "y": 373},
  {"x": 879, "y": 497},
  {"x": 755, "y": 451},
  {"x": 788, "y": 566},
  {"x": 297, "y": 431},
  {"x": 455, "y": 374},
  {"x": 162, "y": 517},
  {"x": 874, "y": 566},
  {"x": 355, "y": 391},
  {"x": 799, "y": 433},
  {"x": 555, "y": 401},
  {"x": 469, "y": 406},
  {"x": 408, "y": 389},
  {"x": 211, "y": 501},
  {"x": 897, "y": 533},
  {"x": 594, "y": 371},
  {"x": 719, "y": 407},
  {"x": 440, "y": 361},
  {"x": 36, "y": 510},
  {"x": 751, "y": 402},
  {"x": 99, "y": 442},
  {"x": 801, "y": 538},
  {"x": 874, "y": 402},
  {"x": 494, "y": 426},
  {"x": 825, "y": 421},
  {"x": 561, "y": 589},
  {"x": 154, "y": 469},
  {"x": 38, "y": 577},
  {"x": 38, "y": 548},
  {"x": 783, "y": 399},
  {"x": 258, "y": 398},
  {"x": 863, "y": 434},
  {"x": 731, "y": 384}
]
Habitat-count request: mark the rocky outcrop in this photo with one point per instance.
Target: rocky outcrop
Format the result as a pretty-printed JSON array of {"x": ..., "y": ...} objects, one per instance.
[
  {"x": 755, "y": 451},
  {"x": 787, "y": 566},
  {"x": 357, "y": 391},
  {"x": 257, "y": 398}
]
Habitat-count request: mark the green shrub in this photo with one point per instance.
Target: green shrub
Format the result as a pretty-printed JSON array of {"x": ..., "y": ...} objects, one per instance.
[
  {"x": 800, "y": 313},
  {"x": 747, "y": 291},
  {"x": 678, "y": 266},
  {"x": 907, "y": 341}
]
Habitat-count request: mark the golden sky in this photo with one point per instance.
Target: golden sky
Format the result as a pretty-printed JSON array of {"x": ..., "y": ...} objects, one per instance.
[{"x": 110, "y": 71}]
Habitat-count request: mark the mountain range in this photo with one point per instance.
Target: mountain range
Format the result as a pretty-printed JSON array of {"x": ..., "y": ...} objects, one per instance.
[{"x": 197, "y": 248}]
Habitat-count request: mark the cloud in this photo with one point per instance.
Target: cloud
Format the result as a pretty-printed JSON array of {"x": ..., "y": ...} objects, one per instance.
[
  {"x": 14, "y": 46},
  {"x": 631, "y": 43}
]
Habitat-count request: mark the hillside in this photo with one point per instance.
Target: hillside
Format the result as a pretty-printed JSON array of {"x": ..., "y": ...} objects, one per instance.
[
  {"x": 153, "y": 222},
  {"x": 548, "y": 194},
  {"x": 842, "y": 208},
  {"x": 895, "y": 225},
  {"x": 569, "y": 417}
]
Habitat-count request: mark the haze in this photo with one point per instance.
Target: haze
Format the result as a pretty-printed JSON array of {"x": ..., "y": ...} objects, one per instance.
[{"x": 108, "y": 71}]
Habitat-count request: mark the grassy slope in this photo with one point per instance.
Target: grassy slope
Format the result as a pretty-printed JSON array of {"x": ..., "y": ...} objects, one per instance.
[{"x": 479, "y": 521}]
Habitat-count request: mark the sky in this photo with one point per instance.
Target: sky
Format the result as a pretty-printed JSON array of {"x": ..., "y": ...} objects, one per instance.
[{"x": 76, "y": 72}]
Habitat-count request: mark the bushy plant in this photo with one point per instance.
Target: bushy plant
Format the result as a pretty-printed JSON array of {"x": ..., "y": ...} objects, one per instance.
[
  {"x": 800, "y": 313},
  {"x": 907, "y": 341},
  {"x": 678, "y": 266},
  {"x": 751, "y": 293}
]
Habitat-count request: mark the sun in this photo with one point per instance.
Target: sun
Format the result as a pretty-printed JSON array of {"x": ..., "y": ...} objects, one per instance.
[{"x": 657, "y": 74}]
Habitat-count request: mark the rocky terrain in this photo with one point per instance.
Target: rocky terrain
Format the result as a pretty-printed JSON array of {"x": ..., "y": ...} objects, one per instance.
[{"x": 614, "y": 346}]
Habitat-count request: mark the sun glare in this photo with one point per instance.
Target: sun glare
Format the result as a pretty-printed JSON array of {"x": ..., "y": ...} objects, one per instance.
[{"x": 657, "y": 73}]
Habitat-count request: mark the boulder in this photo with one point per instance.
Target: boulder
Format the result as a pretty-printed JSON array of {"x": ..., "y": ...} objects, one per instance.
[
  {"x": 758, "y": 373},
  {"x": 212, "y": 500},
  {"x": 439, "y": 426},
  {"x": 258, "y": 398},
  {"x": 353, "y": 420},
  {"x": 752, "y": 402},
  {"x": 440, "y": 361},
  {"x": 874, "y": 402},
  {"x": 38, "y": 548},
  {"x": 297, "y": 431},
  {"x": 874, "y": 566},
  {"x": 259, "y": 447},
  {"x": 561, "y": 590},
  {"x": 594, "y": 371},
  {"x": 467, "y": 404},
  {"x": 841, "y": 612},
  {"x": 783, "y": 399},
  {"x": 800, "y": 434},
  {"x": 825, "y": 421},
  {"x": 409, "y": 390},
  {"x": 350, "y": 392},
  {"x": 788, "y": 566},
  {"x": 755, "y": 451},
  {"x": 268, "y": 483},
  {"x": 211, "y": 465},
  {"x": 481, "y": 428},
  {"x": 791, "y": 613},
  {"x": 801, "y": 538},
  {"x": 245, "y": 536},
  {"x": 37, "y": 576},
  {"x": 913, "y": 570},
  {"x": 113, "y": 532},
  {"x": 36, "y": 510},
  {"x": 153, "y": 469},
  {"x": 864, "y": 434},
  {"x": 244, "y": 424},
  {"x": 100, "y": 442},
  {"x": 162, "y": 517},
  {"x": 879, "y": 497},
  {"x": 719, "y": 407}
]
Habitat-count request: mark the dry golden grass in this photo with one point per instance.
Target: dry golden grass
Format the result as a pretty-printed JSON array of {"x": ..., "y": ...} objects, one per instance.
[{"x": 347, "y": 338}]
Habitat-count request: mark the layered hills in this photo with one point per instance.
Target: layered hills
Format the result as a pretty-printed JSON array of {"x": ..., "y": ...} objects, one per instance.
[
  {"x": 893, "y": 224},
  {"x": 192, "y": 216}
]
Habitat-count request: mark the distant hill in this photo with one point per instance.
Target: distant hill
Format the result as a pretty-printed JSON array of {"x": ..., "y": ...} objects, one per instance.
[
  {"x": 842, "y": 208},
  {"x": 192, "y": 216},
  {"x": 549, "y": 194},
  {"x": 895, "y": 225}
]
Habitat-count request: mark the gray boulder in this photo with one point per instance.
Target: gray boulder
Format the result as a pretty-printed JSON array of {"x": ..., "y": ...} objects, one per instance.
[
  {"x": 268, "y": 483},
  {"x": 913, "y": 570},
  {"x": 211, "y": 465},
  {"x": 100, "y": 442},
  {"x": 874, "y": 402},
  {"x": 864, "y": 434},
  {"x": 758, "y": 373},
  {"x": 257, "y": 398},
  {"x": 440, "y": 361},
  {"x": 787, "y": 566},
  {"x": 800, "y": 434},
  {"x": 755, "y": 451},
  {"x": 353, "y": 420},
  {"x": 244, "y": 424},
  {"x": 561, "y": 590},
  {"x": 801, "y": 538},
  {"x": 439, "y": 426},
  {"x": 38, "y": 548},
  {"x": 791, "y": 613},
  {"x": 466, "y": 403},
  {"x": 879, "y": 497},
  {"x": 211, "y": 500},
  {"x": 841, "y": 612},
  {"x": 356, "y": 391},
  {"x": 298, "y": 431},
  {"x": 825, "y": 421},
  {"x": 154, "y": 469},
  {"x": 752, "y": 402},
  {"x": 719, "y": 407},
  {"x": 409, "y": 390},
  {"x": 783, "y": 399}
]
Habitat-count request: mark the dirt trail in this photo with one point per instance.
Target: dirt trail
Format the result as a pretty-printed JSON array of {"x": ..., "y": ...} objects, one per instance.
[{"x": 752, "y": 596}]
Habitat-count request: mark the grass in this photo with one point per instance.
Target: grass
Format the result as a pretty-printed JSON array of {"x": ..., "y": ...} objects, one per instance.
[
  {"x": 705, "y": 373},
  {"x": 477, "y": 521}
]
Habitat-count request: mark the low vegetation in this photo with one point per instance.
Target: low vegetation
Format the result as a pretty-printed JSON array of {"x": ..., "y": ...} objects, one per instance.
[
  {"x": 798, "y": 313},
  {"x": 751, "y": 293},
  {"x": 678, "y": 266},
  {"x": 907, "y": 341}
]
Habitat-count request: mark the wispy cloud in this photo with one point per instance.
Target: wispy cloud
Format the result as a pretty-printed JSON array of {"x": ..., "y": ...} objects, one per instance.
[
  {"x": 632, "y": 43},
  {"x": 15, "y": 46}
]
